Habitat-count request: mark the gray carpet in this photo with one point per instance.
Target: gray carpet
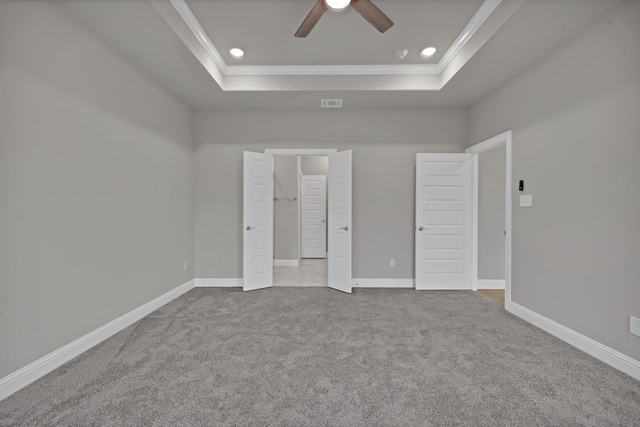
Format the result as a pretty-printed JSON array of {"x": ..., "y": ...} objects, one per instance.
[{"x": 317, "y": 357}]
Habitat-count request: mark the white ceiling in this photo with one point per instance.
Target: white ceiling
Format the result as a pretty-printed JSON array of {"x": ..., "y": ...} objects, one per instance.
[
  {"x": 339, "y": 38},
  {"x": 506, "y": 42}
]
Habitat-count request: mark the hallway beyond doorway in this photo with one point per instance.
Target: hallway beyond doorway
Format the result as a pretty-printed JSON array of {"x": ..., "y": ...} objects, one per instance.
[{"x": 310, "y": 273}]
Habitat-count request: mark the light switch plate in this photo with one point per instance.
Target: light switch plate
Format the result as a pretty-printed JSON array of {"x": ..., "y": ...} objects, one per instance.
[
  {"x": 634, "y": 325},
  {"x": 526, "y": 201}
]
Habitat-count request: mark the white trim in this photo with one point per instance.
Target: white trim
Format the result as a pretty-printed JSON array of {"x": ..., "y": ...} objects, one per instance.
[
  {"x": 219, "y": 283},
  {"x": 504, "y": 138},
  {"x": 490, "y": 284},
  {"x": 300, "y": 151},
  {"x": 508, "y": 221},
  {"x": 383, "y": 283},
  {"x": 478, "y": 19},
  {"x": 490, "y": 143},
  {"x": 299, "y": 194},
  {"x": 333, "y": 70},
  {"x": 475, "y": 202},
  {"x": 286, "y": 263},
  {"x": 35, "y": 370},
  {"x": 600, "y": 351},
  {"x": 469, "y": 30},
  {"x": 192, "y": 22},
  {"x": 356, "y": 283}
]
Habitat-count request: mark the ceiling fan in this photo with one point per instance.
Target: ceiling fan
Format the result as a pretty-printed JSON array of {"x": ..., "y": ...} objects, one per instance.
[{"x": 364, "y": 7}]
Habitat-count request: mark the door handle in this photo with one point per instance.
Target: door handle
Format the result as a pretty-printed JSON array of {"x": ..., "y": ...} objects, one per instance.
[
  {"x": 249, "y": 228},
  {"x": 323, "y": 220},
  {"x": 421, "y": 228},
  {"x": 345, "y": 228}
]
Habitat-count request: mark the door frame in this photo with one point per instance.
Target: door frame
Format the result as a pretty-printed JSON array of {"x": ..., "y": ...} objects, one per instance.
[{"x": 505, "y": 139}]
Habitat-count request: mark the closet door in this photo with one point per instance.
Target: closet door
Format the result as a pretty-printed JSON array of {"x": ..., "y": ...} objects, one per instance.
[
  {"x": 313, "y": 212},
  {"x": 443, "y": 221}
]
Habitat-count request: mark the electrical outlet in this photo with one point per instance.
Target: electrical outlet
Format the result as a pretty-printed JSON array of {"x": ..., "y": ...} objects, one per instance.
[
  {"x": 184, "y": 266},
  {"x": 634, "y": 325},
  {"x": 392, "y": 263}
]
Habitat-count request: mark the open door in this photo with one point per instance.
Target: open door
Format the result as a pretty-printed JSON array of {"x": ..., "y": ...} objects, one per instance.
[
  {"x": 257, "y": 250},
  {"x": 443, "y": 221},
  {"x": 339, "y": 262}
]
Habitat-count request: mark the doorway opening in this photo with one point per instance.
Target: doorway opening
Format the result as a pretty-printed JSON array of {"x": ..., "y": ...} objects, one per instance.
[
  {"x": 491, "y": 259},
  {"x": 258, "y": 218},
  {"x": 300, "y": 220}
]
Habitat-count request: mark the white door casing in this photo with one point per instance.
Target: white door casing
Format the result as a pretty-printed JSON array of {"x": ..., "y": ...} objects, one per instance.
[
  {"x": 443, "y": 221},
  {"x": 257, "y": 229},
  {"x": 339, "y": 262},
  {"x": 505, "y": 139},
  {"x": 313, "y": 216}
]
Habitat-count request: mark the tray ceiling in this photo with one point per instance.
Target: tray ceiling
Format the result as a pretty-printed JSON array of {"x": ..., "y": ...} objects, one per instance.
[
  {"x": 344, "y": 53},
  {"x": 343, "y": 57}
]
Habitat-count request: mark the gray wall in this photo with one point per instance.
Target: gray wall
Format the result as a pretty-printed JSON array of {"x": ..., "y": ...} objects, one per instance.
[
  {"x": 286, "y": 211},
  {"x": 96, "y": 184},
  {"x": 315, "y": 165},
  {"x": 491, "y": 212},
  {"x": 576, "y": 135},
  {"x": 384, "y": 146}
]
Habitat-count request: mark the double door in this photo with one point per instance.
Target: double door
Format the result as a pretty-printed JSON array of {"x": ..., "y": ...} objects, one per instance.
[{"x": 258, "y": 221}]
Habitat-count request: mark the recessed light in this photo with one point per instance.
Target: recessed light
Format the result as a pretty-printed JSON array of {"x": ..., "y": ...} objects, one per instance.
[
  {"x": 337, "y": 4},
  {"x": 236, "y": 53},
  {"x": 427, "y": 52}
]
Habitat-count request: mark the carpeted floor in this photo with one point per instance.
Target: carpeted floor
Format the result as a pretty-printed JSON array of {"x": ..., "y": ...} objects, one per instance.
[{"x": 317, "y": 357}]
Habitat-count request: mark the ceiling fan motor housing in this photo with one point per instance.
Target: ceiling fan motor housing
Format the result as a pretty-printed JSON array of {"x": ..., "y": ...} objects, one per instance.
[{"x": 364, "y": 7}]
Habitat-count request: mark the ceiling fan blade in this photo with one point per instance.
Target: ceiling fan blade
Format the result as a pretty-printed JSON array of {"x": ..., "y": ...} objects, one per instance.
[
  {"x": 312, "y": 19},
  {"x": 372, "y": 14}
]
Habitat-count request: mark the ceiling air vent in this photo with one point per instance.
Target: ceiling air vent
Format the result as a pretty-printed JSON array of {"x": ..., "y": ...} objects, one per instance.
[{"x": 332, "y": 103}]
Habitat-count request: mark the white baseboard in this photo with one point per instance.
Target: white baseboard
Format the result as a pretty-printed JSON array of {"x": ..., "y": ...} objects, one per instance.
[
  {"x": 219, "y": 283},
  {"x": 286, "y": 263},
  {"x": 33, "y": 371},
  {"x": 356, "y": 283},
  {"x": 491, "y": 284},
  {"x": 383, "y": 283},
  {"x": 600, "y": 351}
]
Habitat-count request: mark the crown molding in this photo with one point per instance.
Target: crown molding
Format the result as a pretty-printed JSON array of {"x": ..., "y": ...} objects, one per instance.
[
  {"x": 194, "y": 25},
  {"x": 332, "y": 70},
  {"x": 480, "y": 17}
]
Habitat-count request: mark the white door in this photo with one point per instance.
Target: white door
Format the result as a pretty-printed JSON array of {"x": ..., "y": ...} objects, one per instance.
[
  {"x": 257, "y": 252},
  {"x": 443, "y": 221},
  {"x": 339, "y": 262},
  {"x": 313, "y": 216}
]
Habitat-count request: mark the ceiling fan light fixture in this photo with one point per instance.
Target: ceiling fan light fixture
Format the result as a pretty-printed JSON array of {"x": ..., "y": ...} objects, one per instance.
[
  {"x": 236, "y": 52},
  {"x": 337, "y": 4},
  {"x": 427, "y": 52}
]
